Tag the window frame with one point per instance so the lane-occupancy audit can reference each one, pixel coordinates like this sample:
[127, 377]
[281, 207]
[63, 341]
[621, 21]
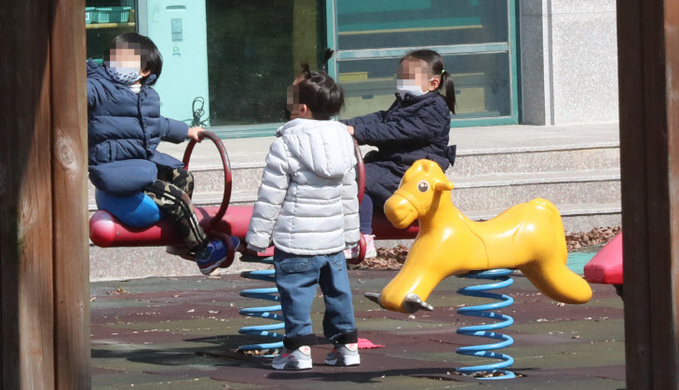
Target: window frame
[509, 47]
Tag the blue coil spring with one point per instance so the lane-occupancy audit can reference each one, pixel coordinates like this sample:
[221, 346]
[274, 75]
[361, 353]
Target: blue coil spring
[270, 312]
[487, 330]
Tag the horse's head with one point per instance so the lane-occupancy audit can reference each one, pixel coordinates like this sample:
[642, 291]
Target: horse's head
[422, 183]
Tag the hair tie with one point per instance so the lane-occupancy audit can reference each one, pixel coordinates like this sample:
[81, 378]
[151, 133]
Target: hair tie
[443, 71]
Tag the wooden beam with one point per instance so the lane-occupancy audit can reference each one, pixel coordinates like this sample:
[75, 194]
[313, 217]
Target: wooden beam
[44, 318]
[672, 44]
[649, 132]
[69, 170]
[26, 207]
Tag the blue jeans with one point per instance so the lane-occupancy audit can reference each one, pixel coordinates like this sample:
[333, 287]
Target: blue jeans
[296, 278]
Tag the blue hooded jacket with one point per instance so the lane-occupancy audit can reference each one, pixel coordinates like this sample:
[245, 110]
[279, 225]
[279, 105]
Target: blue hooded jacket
[413, 128]
[124, 130]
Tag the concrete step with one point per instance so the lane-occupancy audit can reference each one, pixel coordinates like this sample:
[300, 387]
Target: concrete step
[483, 162]
[471, 163]
[499, 190]
[586, 198]
[601, 185]
[211, 179]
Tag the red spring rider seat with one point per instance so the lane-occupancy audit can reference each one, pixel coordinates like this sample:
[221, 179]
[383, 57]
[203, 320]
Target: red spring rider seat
[136, 220]
[606, 266]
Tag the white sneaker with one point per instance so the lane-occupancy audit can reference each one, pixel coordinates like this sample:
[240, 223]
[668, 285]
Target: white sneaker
[370, 251]
[297, 359]
[343, 355]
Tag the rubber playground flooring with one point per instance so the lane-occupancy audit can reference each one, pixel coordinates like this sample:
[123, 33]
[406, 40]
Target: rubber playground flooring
[182, 333]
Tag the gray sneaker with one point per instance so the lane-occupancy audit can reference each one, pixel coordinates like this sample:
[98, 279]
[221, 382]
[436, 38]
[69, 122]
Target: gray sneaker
[297, 359]
[343, 355]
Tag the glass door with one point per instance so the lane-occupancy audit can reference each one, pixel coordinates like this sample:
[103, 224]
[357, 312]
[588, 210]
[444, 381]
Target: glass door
[477, 39]
[104, 20]
[255, 52]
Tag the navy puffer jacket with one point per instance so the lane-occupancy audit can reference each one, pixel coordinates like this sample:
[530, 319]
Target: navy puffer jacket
[412, 129]
[124, 130]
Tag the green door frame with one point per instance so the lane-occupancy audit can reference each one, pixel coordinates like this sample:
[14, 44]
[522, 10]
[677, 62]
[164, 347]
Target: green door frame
[503, 47]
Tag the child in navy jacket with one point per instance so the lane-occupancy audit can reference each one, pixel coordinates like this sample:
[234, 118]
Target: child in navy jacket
[124, 130]
[415, 127]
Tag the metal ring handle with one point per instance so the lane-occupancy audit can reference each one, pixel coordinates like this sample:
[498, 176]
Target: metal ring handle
[225, 164]
[360, 172]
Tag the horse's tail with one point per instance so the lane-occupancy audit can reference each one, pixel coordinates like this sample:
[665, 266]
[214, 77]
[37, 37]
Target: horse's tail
[551, 275]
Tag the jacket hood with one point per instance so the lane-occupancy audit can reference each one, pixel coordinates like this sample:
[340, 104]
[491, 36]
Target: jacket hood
[324, 147]
[95, 69]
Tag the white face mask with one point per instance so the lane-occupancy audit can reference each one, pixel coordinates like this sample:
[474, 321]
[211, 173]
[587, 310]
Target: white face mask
[122, 74]
[408, 87]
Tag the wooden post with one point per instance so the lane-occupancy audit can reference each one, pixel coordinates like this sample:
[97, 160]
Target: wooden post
[44, 319]
[69, 170]
[26, 217]
[648, 49]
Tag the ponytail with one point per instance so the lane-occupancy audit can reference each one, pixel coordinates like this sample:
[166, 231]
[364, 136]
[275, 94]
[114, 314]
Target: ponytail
[306, 70]
[437, 68]
[327, 55]
[448, 87]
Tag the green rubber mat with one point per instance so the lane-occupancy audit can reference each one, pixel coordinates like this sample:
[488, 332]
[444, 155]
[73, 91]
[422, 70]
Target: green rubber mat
[577, 260]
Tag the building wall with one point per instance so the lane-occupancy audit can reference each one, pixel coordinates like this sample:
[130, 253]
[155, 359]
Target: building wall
[569, 70]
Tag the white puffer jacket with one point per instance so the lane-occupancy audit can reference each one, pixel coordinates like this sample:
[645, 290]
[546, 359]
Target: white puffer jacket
[307, 203]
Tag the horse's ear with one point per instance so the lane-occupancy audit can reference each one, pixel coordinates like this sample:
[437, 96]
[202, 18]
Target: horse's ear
[443, 186]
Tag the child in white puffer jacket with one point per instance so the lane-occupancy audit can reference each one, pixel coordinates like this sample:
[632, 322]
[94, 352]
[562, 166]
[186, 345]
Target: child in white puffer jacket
[307, 205]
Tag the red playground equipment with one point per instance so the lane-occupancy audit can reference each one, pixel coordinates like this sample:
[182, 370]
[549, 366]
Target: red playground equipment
[606, 266]
[108, 231]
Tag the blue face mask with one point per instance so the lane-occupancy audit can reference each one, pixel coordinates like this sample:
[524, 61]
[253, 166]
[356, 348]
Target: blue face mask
[123, 75]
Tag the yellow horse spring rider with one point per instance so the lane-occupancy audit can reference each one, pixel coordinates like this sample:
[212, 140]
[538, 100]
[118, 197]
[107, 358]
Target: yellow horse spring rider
[528, 237]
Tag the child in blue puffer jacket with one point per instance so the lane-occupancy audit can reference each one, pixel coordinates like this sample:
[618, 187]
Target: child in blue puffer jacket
[415, 127]
[124, 130]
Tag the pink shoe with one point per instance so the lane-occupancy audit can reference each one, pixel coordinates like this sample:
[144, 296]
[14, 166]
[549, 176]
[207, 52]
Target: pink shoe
[370, 251]
[351, 253]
